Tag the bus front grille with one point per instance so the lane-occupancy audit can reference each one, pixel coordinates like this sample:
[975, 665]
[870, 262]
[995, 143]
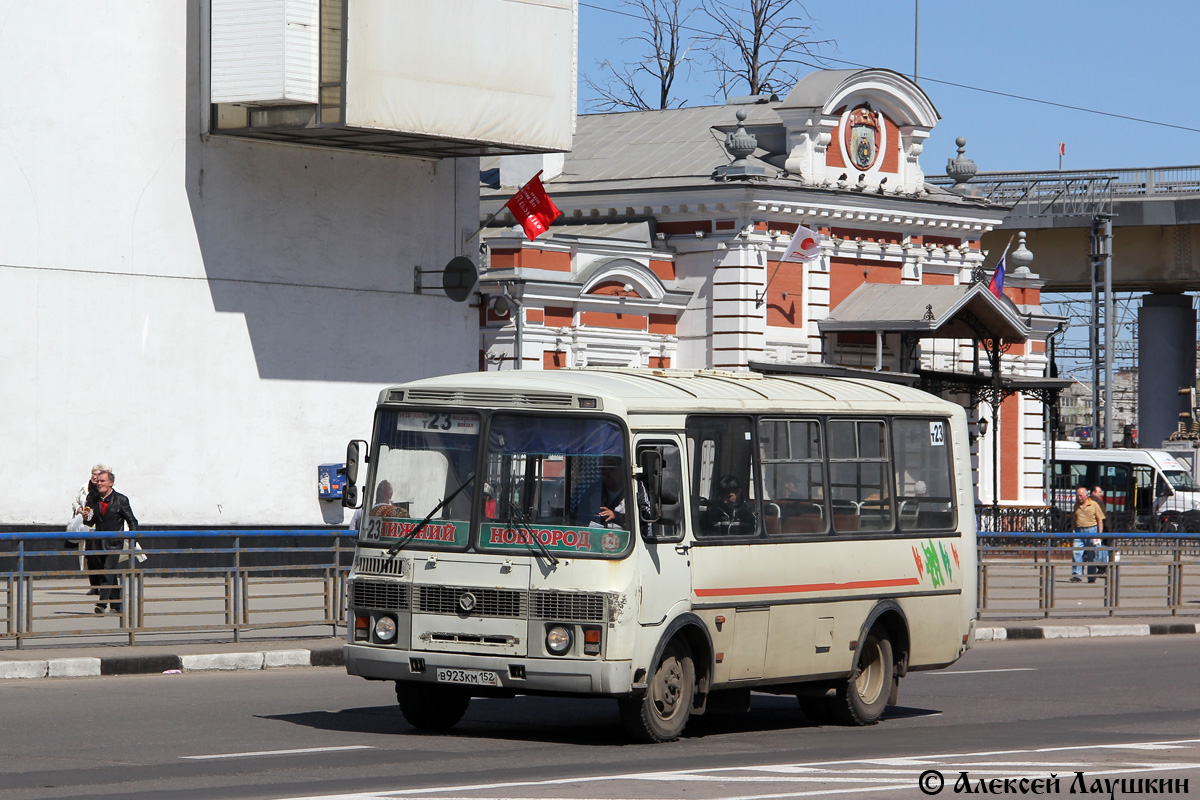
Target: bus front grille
[385, 595]
[376, 565]
[508, 603]
[569, 606]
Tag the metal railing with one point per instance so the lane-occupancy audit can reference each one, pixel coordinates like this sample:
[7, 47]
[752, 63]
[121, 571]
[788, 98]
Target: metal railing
[1044, 519]
[231, 582]
[1128, 574]
[1123, 183]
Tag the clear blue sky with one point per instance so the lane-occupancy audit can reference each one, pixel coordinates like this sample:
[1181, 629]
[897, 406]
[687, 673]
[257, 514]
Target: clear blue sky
[1136, 59]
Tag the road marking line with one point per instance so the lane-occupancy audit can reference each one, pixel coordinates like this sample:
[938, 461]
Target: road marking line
[282, 752]
[890, 780]
[983, 671]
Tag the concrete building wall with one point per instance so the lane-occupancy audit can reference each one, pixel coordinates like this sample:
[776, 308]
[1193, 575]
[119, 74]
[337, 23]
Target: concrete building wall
[211, 317]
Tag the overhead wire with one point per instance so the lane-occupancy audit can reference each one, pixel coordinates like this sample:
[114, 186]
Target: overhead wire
[997, 92]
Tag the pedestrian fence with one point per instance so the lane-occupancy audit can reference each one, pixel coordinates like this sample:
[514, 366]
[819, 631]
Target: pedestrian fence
[240, 583]
[224, 582]
[1127, 574]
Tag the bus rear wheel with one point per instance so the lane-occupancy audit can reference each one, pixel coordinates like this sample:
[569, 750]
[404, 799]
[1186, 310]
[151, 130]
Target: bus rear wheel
[430, 707]
[862, 699]
[661, 714]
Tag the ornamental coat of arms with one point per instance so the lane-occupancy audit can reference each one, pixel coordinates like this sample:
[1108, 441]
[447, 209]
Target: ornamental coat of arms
[862, 136]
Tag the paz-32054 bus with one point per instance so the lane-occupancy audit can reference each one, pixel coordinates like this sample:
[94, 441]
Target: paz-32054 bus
[669, 539]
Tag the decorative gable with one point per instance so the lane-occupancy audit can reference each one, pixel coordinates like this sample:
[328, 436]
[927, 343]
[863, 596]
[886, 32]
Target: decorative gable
[851, 128]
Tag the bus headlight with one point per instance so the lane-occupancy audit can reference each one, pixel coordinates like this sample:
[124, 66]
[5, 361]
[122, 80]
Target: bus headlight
[558, 640]
[385, 629]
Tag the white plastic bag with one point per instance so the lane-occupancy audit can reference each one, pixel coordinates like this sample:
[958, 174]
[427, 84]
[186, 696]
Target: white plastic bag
[76, 526]
[137, 549]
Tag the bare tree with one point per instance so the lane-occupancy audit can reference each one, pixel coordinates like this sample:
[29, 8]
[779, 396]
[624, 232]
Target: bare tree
[662, 50]
[769, 39]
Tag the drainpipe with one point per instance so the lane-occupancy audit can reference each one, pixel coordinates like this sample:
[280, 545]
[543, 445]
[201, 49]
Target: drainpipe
[519, 345]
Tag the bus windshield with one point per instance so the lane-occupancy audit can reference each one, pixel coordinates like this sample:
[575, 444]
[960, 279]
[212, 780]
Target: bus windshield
[426, 462]
[1181, 481]
[561, 479]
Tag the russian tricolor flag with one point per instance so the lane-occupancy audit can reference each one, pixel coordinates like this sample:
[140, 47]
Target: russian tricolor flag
[997, 285]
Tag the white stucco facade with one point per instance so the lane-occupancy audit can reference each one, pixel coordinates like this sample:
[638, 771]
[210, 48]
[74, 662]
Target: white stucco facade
[212, 317]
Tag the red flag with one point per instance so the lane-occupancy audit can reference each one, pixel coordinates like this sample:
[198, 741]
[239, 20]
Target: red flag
[533, 208]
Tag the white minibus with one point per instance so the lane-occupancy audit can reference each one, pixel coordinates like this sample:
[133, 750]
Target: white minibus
[1144, 490]
[669, 539]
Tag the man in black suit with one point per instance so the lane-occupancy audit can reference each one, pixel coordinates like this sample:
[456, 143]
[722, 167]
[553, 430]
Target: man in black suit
[110, 513]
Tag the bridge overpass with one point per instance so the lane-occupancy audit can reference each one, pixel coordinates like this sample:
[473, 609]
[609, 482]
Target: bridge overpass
[1106, 231]
[1154, 213]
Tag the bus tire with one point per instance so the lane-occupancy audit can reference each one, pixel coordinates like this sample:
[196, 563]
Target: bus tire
[862, 699]
[661, 714]
[430, 707]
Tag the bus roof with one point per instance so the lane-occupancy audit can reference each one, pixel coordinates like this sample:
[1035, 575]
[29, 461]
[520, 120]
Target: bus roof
[1130, 455]
[664, 391]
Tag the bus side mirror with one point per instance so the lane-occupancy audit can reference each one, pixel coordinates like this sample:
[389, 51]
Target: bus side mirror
[353, 457]
[651, 463]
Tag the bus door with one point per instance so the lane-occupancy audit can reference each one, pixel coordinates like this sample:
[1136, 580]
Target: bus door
[1143, 492]
[664, 574]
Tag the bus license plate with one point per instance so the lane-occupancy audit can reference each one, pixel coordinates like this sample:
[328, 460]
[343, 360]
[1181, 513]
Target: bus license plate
[470, 677]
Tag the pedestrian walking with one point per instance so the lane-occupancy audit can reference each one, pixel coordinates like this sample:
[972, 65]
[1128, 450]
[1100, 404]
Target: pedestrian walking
[76, 525]
[1086, 518]
[1100, 554]
[111, 513]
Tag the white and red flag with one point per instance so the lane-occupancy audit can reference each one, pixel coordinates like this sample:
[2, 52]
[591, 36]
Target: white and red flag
[533, 208]
[804, 246]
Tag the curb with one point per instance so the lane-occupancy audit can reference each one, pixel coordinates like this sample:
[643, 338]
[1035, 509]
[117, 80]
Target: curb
[1083, 631]
[159, 664]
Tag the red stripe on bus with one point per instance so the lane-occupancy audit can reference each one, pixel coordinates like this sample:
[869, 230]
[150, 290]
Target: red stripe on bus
[807, 587]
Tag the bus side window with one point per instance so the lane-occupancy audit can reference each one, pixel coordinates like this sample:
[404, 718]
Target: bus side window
[722, 448]
[793, 476]
[669, 526]
[1163, 489]
[860, 477]
[924, 489]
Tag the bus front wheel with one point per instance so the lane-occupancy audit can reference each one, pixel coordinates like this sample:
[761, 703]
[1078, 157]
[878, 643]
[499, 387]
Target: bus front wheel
[862, 699]
[430, 707]
[661, 714]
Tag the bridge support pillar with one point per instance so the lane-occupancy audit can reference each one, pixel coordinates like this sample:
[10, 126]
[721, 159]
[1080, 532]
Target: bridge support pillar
[1166, 364]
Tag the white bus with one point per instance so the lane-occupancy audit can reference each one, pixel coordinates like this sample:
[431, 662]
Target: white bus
[791, 535]
[1144, 490]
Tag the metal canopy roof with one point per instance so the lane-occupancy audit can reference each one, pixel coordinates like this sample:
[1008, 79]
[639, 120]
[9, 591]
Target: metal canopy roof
[377, 141]
[949, 312]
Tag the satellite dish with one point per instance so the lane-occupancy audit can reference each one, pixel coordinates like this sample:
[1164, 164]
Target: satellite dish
[459, 278]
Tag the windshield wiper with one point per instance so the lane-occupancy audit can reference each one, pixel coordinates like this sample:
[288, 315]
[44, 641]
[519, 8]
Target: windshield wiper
[523, 521]
[420, 526]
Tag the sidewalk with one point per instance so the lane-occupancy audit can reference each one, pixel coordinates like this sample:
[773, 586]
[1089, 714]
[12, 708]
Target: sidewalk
[81, 643]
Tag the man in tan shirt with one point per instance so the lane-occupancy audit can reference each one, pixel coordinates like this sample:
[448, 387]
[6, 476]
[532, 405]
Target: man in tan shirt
[1088, 520]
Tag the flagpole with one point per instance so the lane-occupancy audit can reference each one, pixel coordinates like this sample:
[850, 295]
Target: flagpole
[1002, 255]
[499, 211]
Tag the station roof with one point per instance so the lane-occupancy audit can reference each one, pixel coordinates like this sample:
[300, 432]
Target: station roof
[965, 311]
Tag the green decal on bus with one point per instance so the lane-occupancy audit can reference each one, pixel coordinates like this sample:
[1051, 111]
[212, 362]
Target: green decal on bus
[558, 538]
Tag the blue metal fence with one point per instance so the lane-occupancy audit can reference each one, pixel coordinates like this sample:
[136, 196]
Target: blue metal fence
[221, 581]
[1127, 574]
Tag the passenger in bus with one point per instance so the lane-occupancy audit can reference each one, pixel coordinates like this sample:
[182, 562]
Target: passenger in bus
[382, 507]
[1087, 518]
[1100, 555]
[602, 502]
[728, 512]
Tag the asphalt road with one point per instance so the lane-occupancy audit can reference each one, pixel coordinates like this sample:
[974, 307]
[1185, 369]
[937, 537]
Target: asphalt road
[1122, 708]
